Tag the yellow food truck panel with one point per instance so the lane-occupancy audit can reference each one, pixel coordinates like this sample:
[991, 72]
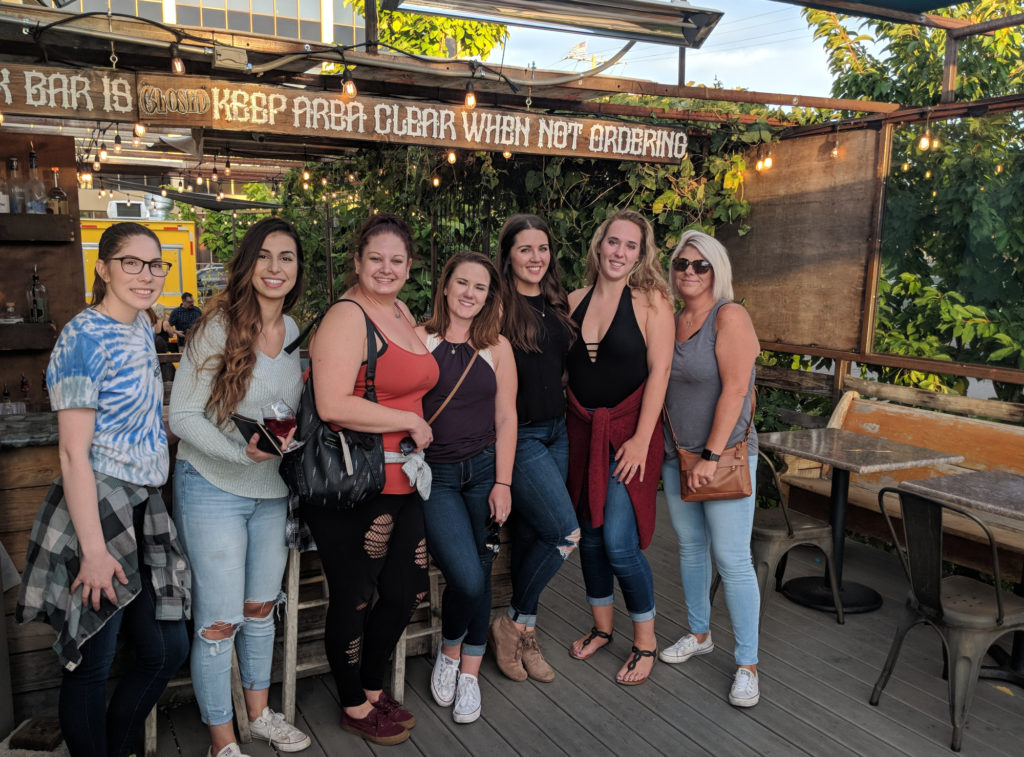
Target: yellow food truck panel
[177, 241]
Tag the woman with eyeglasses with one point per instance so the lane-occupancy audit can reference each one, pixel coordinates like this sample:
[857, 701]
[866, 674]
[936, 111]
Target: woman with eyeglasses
[709, 408]
[104, 562]
[473, 412]
[618, 371]
[544, 528]
[379, 546]
[230, 503]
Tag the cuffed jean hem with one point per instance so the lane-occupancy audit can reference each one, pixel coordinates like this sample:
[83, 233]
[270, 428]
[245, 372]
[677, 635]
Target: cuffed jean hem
[453, 642]
[473, 650]
[601, 601]
[530, 621]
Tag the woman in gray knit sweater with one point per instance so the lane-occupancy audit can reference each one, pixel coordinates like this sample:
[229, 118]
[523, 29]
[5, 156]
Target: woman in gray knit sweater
[230, 504]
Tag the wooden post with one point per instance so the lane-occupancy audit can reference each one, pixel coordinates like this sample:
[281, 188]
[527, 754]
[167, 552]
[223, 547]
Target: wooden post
[949, 70]
[842, 368]
[682, 66]
[329, 244]
[370, 19]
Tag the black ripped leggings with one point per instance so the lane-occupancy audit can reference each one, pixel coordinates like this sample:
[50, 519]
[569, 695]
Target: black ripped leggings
[377, 546]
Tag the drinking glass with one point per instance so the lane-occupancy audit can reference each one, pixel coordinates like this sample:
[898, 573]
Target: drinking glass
[279, 418]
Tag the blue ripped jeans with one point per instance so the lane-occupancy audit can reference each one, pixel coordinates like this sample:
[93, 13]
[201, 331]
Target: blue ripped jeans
[455, 516]
[237, 551]
[543, 517]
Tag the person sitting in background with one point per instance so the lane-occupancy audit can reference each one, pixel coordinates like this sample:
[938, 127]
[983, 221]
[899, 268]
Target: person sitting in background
[184, 317]
[473, 417]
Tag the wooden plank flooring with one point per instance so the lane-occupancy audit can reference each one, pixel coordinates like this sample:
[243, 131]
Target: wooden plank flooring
[816, 677]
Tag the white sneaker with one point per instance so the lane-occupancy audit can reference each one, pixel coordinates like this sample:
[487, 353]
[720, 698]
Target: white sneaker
[231, 750]
[282, 735]
[444, 679]
[685, 648]
[467, 699]
[745, 692]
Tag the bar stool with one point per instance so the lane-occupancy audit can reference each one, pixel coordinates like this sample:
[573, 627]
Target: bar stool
[292, 606]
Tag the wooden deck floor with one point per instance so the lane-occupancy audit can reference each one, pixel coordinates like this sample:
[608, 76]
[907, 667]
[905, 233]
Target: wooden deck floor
[816, 677]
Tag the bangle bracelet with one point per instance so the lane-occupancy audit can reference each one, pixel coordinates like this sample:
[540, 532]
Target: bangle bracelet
[502, 483]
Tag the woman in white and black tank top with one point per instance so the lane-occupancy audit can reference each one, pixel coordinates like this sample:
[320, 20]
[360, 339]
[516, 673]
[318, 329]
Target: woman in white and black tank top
[473, 419]
[709, 406]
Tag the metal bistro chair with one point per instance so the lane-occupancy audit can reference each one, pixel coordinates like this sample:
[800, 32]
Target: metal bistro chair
[969, 615]
[778, 530]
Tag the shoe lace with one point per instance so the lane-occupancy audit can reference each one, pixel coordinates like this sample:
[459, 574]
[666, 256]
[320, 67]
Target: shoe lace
[530, 643]
[467, 694]
[517, 655]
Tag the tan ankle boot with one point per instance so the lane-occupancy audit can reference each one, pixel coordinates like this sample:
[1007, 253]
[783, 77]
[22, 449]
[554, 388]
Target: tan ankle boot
[536, 666]
[507, 644]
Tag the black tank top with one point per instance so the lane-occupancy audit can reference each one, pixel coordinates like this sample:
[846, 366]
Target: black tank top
[620, 366]
[540, 396]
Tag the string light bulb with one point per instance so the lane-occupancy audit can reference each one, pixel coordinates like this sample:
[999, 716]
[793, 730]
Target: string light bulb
[305, 185]
[220, 196]
[936, 143]
[214, 176]
[507, 154]
[199, 180]
[163, 191]
[117, 143]
[927, 174]
[177, 64]
[227, 163]
[96, 164]
[768, 162]
[470, 96]
[305, 174]
[905, 167]
[759, 165]
[323, 180]
[1, 118]
[140, 129]
[103, 154]
[925, 142]
[835, 147]
[999, 168]
[436, 181]
[348, 87]
[452, 157]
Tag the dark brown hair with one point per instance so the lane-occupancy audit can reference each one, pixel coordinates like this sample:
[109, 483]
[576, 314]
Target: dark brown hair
[485, 329]
[111, 242]
[239, 308]
[520, 322]
[378, 223]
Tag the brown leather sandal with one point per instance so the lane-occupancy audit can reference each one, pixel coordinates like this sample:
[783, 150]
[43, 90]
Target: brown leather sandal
[631, 666]
[594, 634]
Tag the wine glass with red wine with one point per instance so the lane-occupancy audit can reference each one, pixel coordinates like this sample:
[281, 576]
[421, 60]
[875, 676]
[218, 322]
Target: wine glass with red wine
[279, 418]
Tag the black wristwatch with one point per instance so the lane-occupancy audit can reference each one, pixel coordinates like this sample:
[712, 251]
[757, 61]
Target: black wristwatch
[707, 454]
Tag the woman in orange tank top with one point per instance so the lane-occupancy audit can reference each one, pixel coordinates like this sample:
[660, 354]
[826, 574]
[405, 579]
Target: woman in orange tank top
[378, 546]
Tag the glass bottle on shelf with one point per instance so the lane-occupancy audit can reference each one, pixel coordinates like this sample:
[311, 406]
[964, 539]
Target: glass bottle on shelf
[35, 190]
[5, 195]
[15, 186]
[5, 403]
[38, 302]
[56, 198]
[46, 393]
[24, 388]
[8, 315]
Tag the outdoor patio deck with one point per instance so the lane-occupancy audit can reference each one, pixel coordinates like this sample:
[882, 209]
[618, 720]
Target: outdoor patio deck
[816, 677]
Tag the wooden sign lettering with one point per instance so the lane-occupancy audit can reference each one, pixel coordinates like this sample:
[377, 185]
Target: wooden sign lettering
[200, 102]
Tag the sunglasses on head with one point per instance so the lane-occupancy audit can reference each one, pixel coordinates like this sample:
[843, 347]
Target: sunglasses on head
[700, 267]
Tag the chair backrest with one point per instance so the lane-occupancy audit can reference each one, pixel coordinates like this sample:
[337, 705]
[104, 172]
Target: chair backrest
[920, 549]
[783, 504]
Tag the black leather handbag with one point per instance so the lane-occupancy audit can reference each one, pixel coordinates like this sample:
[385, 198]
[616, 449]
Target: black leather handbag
[334, 468]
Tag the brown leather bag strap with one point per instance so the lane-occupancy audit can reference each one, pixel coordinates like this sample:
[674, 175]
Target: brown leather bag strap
[750, 425]
[454, 388]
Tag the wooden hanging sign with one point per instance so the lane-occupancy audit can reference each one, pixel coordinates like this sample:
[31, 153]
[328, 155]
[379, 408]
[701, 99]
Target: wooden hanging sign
[200, 102]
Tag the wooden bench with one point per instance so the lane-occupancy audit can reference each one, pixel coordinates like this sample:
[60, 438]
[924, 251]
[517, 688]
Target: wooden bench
[985, 445]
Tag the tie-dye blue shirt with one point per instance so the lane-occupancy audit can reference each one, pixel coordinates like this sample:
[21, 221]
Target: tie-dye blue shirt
[111, 367]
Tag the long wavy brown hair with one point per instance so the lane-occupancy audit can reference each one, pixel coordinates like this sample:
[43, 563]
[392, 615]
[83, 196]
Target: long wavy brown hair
[239, 308]
[520, 322]
[484, 330]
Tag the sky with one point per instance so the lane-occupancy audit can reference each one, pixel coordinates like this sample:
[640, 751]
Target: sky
[757, 45]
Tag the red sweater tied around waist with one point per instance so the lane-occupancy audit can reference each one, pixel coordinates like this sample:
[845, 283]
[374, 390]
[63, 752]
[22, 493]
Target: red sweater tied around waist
[592, 435]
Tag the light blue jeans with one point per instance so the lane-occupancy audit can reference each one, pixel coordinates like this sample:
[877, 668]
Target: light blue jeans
[722, 526]
[237, 551]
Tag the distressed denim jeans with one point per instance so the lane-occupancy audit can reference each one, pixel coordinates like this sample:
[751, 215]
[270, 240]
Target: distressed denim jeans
[237, 551]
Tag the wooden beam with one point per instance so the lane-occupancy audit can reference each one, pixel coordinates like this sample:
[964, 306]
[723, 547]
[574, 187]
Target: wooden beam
[883, 14]
[1010, 412]
[983, 27]
[949, 70]
[805, 382]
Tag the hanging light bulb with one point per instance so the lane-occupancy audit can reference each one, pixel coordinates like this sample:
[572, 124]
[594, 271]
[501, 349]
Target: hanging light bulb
[470, 96]
[305, 174]
[96, 165]
[927, 174]
[305, 185]
[925, 142]
[905, 167]
[136, 141]
[214, 176]
[103, 155]
[759, 165]
[768, 161]
[140, 129]
[935, 143]
[103, 193]
[507, 154]
[177, 64]
[323, 181]
[117, 143]
[227, 163]
[199, 180]
[835, 146]
[348, 87]
[220, 196]
[452, 157]
[86, 178]
[999, 168]
[1, 118]
[436, 181]
[163, 191]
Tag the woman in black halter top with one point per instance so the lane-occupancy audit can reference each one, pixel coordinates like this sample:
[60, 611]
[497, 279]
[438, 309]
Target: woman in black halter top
[618, 373]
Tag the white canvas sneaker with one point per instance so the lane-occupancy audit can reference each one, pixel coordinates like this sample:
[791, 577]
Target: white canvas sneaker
[745, 692]
[231, 750]
[685, 648]
[282, 735]
[467, 699]
[444, 679]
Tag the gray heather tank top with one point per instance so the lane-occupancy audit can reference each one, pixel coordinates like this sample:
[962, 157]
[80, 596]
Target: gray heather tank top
[693, 391]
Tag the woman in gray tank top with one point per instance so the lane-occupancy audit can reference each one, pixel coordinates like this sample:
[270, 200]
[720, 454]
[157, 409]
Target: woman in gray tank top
[709, 406]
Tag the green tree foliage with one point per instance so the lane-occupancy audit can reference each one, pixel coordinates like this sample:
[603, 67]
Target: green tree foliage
[428, 35]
